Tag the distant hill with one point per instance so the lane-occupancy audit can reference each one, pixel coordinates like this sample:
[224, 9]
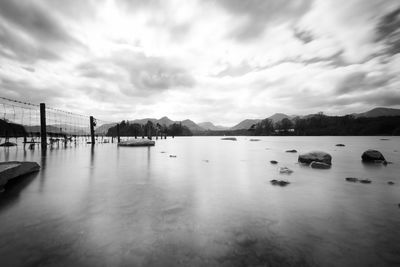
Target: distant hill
[103, 129]
[278, 117]
[246, 124]
[378, 112]
[211, 127]
[192, 126]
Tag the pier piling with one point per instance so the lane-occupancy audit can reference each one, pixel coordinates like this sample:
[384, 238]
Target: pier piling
[43, 134]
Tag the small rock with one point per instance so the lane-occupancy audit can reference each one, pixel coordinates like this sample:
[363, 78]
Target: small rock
[279, 182]
[340, 145]
[229, 138]
[365, 181]
[291, 151]
[254, 140]
[206, 160]
[373, 156]
[285, 170]
[274, 162]
[390, 183]
[319, 165]
[351, 179]
[162, 152]
[172, 156]
[385, 139]
[317, 156]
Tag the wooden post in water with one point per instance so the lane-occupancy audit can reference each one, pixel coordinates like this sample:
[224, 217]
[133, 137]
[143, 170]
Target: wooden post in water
[118, 137]
[43, 134]
[92, 130]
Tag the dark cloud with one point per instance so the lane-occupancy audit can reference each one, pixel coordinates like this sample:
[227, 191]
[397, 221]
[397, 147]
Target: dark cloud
[30, 31]
[147, 74]
[388, 31]
[303, 36]
[24, 91]
[258, 14]
[361, 81]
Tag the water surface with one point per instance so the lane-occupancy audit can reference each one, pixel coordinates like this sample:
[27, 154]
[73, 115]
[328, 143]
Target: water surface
[211, 205]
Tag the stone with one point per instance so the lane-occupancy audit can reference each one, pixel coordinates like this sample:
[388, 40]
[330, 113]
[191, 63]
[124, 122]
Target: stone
[291, 151]
[319, 165]
[12, 169]
[229, 138]
[340, 145]
[254, 140]
[137, 142]
[317, 156]
[279, 182]
[351, 179]
[390, 183]
[373, 156]
[365, 181]
[172, 156]
[285, 170]
[273, 162]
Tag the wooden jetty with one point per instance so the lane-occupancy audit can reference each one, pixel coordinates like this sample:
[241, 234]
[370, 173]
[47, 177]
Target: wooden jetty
[12, 169]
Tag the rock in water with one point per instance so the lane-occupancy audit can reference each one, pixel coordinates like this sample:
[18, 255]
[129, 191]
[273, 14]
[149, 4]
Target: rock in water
[137, 142]
[229, 138]
[274, 162]
[254, 140]
[285, 170]
[390, 183]
[373, 156]
[351, 179]
[13, 169]
[319, 165]
[279, 182]
[291, 151]
[317, 156]
[340, 145]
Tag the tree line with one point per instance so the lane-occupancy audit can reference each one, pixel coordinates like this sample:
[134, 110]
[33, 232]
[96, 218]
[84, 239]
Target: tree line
[150, 128]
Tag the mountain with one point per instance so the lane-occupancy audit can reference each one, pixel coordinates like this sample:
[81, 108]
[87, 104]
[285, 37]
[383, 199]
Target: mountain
[378, 112]
[192, 126]
[165, 121]
[211, 127]
[278, 117]
[246, 124]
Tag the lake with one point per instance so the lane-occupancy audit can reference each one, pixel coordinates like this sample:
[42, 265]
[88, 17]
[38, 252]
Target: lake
[211, 205]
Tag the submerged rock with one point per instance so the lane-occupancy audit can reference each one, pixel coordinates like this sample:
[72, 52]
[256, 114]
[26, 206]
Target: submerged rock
[254, 140]
[12, 169]
[351, 179]
[317, 156]
[319, 165]
[365, 181]
[390, 183]
[273, 162]
[285, 170]
[172, 156]
[373, 156]
[340, 145]
[279, 182]
[229, 138]
[291, 151]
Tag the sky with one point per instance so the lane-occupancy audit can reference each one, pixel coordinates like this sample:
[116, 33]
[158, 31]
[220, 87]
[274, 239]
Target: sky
[212, 60]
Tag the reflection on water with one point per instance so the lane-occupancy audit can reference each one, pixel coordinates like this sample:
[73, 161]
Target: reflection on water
[212, 205]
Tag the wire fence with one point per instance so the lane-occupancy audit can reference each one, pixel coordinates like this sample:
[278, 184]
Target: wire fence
[20, 119]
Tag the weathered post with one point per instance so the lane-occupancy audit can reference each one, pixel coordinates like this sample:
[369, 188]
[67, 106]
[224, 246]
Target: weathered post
[118, 137]
[43, 134]
[92, 130]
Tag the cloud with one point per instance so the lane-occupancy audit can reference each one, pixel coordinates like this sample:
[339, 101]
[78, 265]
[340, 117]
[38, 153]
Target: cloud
[256, 15]
[388, 31]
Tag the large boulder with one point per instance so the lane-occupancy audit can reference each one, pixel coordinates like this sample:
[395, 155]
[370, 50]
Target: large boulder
[317, 156]
[372, 156]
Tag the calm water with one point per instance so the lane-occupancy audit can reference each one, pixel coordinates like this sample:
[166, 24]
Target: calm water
[212, 205]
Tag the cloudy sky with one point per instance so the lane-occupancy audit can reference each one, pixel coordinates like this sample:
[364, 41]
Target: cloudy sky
[211, 60]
